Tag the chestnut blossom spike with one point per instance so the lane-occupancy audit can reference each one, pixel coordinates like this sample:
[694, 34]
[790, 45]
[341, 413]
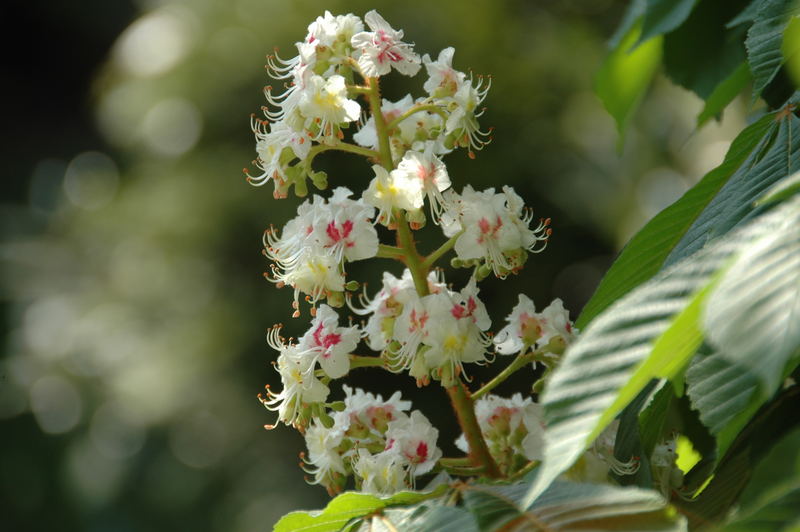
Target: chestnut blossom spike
[327, 343]
[382, 49]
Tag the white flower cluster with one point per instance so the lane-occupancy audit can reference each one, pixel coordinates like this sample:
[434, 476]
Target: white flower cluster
[416, 322]
[513, 429]
[320, 103]
[432, 335]
[376, 440]
[312, 247]
[549, 330]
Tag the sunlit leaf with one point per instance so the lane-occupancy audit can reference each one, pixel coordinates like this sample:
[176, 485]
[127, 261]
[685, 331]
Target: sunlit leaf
[625, 75]
[753, 317]
[629, 340]
[348, 506]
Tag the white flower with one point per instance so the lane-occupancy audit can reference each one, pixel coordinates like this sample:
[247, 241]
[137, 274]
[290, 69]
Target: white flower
[428, 173]
[323, 460]
[382, 49]
[367, 415]
[452, 336]
[667, 476]
[385, 307]
[325, 103]
[513, 424]
[462, 124]
[527, 328]
[315, 273]
[414, 438]
[392, 191]
[554, 320]
[410, 330]
[443, 79]
[603, 448]
[523, 328]
[493, 228]
[271, 142]
[380, 474]
[300, 385]
[367, 136]
[345, 229]
[327, 343]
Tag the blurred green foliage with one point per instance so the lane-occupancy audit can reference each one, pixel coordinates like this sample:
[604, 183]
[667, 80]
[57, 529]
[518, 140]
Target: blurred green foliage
[136, 314]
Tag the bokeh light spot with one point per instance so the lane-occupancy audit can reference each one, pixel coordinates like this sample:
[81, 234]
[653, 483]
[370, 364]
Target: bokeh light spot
[91, 180]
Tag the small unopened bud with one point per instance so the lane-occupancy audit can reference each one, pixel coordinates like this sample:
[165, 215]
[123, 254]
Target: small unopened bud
[352, 286]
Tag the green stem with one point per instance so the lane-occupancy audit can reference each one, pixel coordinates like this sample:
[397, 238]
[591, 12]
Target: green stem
[525, 470]
[417, 109]
[465, 411]
[360, 361]
[455, 462]
[340, 146]
[441, 250]
[390, 252]
[385, 149]
[522, 359]
[412, 259]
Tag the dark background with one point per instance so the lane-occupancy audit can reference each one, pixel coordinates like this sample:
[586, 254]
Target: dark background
[133, 305]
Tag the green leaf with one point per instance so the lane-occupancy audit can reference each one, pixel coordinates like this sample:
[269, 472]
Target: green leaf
[772, 497]
[570, 506]
[663, 16]
[724, 394]
[633, 13]
[764, 40]
[753, 316]
[670, 353]
[724, 93]
[650, 332]
[747, 15]
[735, 469]
[625, 75]
[781, 191]
[645, 254]
[349, 506]
[428, 518]
[776, 157]
[702, 52]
